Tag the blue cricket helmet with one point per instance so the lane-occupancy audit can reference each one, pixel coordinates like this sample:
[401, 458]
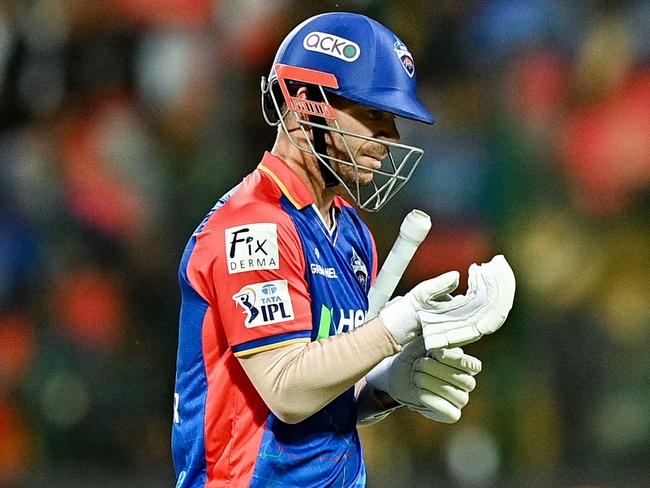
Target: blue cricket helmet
[359, 59]
[372, 65]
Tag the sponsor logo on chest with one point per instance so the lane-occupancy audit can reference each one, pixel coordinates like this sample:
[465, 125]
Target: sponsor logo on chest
[265, 303]
[317, 269]
[252, 247]
[350, 319]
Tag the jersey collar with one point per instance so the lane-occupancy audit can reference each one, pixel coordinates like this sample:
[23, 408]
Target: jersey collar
[291, 185]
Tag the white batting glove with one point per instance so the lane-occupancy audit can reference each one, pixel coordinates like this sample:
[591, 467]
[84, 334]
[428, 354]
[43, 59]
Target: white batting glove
[467, 318]
[437, 387]
[448, 321]
[401, 315]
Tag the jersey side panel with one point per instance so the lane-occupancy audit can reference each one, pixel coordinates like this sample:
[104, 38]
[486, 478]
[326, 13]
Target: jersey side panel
[188, 443]
[191, 388]
[234, 413]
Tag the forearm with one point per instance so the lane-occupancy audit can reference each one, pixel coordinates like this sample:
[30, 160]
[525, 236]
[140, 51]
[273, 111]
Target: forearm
[298, 380]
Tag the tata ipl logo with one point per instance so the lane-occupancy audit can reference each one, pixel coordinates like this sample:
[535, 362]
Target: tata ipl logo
[265, 303]
[332, 45]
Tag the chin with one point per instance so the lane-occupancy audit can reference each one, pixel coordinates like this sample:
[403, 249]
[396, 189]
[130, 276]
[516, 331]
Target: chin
[365, 180]
[365, 177]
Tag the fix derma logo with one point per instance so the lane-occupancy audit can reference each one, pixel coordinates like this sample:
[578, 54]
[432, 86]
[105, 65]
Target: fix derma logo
[252, 247]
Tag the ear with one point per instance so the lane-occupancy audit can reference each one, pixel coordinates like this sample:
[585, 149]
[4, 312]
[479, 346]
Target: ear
[293, 120]
[303, 94]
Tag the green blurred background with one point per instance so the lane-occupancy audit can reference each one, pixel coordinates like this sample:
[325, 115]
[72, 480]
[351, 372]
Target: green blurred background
[123, 121]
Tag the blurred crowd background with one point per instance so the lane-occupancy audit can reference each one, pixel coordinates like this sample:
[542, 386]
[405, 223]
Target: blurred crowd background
[123, 121]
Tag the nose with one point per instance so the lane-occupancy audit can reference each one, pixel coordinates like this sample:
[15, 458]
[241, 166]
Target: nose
[388, 130]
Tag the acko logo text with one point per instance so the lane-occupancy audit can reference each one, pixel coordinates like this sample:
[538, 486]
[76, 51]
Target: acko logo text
[332, 45]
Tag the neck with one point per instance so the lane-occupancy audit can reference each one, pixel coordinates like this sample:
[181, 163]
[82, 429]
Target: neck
[306, 166]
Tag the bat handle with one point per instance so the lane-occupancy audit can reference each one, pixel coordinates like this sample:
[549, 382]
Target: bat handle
[414, 229]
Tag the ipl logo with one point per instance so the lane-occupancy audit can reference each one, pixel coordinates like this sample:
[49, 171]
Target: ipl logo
[246, 298]
[265, 303]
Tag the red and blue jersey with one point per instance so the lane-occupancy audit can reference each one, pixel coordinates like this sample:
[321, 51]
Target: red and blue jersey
[262, 271]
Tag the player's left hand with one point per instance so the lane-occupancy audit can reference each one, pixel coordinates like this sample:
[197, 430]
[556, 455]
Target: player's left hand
[466, 318]
[437, 386]
[450, 321]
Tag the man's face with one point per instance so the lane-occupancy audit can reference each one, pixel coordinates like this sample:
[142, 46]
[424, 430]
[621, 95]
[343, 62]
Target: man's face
[362, 120]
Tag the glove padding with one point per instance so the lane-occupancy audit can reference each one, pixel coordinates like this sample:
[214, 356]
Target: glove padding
[400, 315]
[437, 387]
[466, 318]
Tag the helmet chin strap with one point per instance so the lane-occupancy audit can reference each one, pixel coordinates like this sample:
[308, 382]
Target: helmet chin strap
[321, 147]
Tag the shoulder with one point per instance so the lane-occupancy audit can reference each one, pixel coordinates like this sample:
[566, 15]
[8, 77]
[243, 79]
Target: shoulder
[248, 230]
[256, 200]
[251, 224]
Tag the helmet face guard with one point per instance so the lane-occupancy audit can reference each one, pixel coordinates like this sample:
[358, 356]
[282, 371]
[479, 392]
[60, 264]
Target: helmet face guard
[356, 58]
[397, 167]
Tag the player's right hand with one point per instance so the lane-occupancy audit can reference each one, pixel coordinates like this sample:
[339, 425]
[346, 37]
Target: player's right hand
[436, 386]
[401, 315]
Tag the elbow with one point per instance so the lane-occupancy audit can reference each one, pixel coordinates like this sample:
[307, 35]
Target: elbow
[292, 419]
[289, 415]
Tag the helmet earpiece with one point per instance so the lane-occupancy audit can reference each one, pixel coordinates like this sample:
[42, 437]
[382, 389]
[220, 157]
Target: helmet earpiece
[269, 111]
